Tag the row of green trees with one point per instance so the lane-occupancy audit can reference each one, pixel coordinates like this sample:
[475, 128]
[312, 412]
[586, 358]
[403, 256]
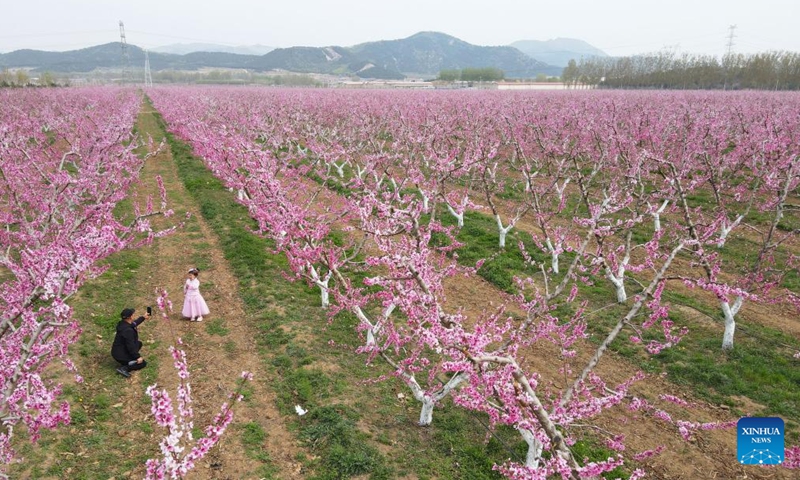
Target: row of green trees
[668, 70]
[21, 78]
[486, 74]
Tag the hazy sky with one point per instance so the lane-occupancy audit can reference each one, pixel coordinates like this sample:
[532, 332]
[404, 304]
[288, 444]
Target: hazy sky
[619, 27]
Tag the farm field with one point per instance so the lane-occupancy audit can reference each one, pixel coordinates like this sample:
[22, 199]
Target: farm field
[358, 198]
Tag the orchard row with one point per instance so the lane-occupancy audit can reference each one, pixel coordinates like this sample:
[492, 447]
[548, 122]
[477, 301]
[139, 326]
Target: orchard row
[67, 161]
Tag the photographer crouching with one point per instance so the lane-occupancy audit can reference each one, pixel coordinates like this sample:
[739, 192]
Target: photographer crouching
[125, 349]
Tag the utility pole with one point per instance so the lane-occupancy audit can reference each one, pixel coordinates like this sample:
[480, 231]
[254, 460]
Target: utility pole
[148, 78]
[124, 51]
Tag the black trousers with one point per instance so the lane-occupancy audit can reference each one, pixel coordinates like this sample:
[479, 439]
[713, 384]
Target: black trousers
[135, 366]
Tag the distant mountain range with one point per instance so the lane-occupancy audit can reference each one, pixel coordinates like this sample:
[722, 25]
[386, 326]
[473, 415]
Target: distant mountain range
[422, 54]
[109, 56]
[184, 48]
[558, 51]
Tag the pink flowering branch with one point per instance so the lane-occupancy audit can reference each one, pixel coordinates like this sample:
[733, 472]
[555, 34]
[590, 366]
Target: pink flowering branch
[791, 458]
[179, 450]
[685, 428]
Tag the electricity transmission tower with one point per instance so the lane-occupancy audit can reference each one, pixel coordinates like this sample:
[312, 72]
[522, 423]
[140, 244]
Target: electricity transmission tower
[148, 78]
[731, 36]
[727, 60]
[124, 51]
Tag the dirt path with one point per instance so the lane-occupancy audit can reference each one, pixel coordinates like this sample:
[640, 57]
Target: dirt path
[219, 348]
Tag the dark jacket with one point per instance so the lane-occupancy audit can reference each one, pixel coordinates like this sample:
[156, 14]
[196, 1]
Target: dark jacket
[126, 342]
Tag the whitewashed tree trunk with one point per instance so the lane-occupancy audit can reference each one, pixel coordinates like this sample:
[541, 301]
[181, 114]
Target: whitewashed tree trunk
[375, 329]
[339, 168]
[619, 286]
[534, 448]
[725, 229]
[657, 215]
[503, 230]
[459, 216]
[425, 201]
[553, 255]
[560, 189]
[322, 283]
[730, 311]
[426, 414]
[241, 195]
[323, 291]
[430, 401]
[378, 180]
[618, 279]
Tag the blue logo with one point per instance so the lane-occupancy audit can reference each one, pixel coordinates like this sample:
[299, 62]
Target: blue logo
[759, 441]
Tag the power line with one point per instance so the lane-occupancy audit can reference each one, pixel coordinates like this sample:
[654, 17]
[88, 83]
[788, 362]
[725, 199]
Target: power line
[648, 44]
[177, 37]
[55, 34]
